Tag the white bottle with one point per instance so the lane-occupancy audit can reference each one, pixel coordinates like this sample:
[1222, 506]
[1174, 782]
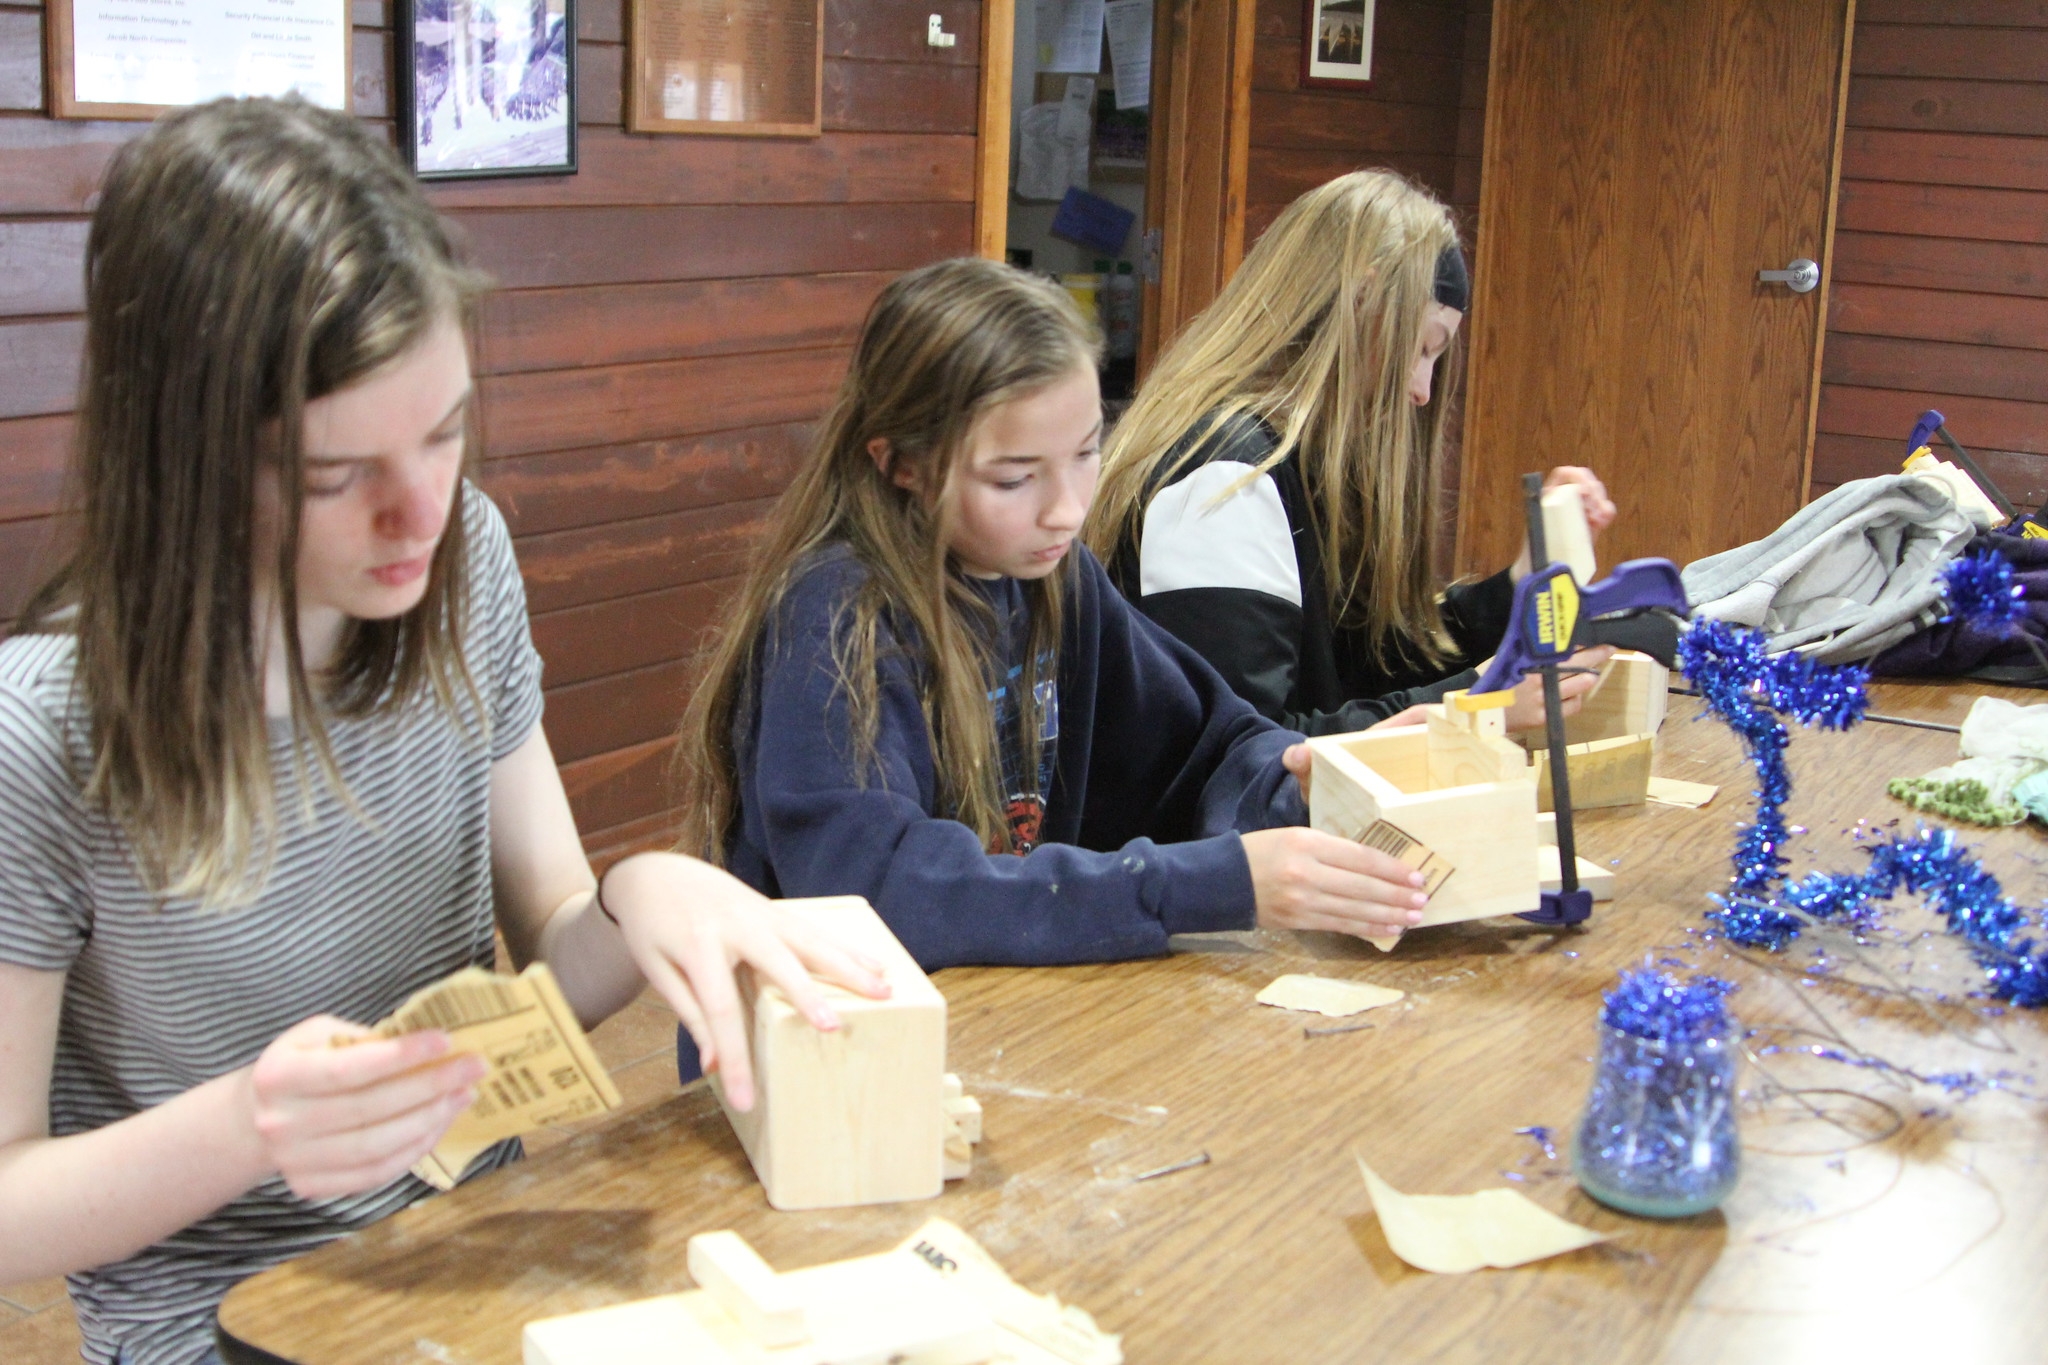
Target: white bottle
[1122, 320]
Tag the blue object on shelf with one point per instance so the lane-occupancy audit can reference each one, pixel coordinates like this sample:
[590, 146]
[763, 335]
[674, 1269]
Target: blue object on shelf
[1093, 221]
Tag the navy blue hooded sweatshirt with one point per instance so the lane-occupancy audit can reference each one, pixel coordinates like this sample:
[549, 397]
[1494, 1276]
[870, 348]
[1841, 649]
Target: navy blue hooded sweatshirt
[1156, 769]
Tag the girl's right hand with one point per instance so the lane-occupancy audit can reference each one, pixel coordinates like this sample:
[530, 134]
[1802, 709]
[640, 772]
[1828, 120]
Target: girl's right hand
[340, 1120]
[1305, 879]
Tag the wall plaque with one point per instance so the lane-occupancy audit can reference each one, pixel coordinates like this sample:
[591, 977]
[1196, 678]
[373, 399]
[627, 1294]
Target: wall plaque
[747, 67]
[134, 59]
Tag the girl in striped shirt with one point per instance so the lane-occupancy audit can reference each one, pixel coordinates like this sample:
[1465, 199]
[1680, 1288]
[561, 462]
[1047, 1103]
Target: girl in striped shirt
[270, 752]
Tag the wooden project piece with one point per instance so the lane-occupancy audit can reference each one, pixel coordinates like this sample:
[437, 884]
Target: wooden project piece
[1456, 786]
[1631, 700]
[1594, 877]
[870, 1310]
[1565, 535]
[729, 1270]
[853, 1116]
[1604, 772]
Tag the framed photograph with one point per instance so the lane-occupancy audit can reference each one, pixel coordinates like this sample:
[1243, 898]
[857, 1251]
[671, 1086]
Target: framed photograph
[135, 59]
[1336, 43]
[486, 87]
[749, 68]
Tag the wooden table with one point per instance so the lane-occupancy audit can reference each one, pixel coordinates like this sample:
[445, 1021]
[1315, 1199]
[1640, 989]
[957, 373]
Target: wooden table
[1840, 1244]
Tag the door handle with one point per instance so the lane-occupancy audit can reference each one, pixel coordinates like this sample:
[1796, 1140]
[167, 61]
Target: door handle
[1801, 276]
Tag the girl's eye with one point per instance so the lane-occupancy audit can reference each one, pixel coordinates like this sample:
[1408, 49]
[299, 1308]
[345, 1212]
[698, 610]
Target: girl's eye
[326, 483]
[1011, 485]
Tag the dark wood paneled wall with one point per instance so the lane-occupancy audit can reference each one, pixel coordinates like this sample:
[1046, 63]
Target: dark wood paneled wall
[1940, 290]
[670, 321]
[1423, 114]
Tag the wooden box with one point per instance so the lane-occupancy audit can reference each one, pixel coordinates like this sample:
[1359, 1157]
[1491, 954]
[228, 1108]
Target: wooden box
[1631, 700]
[1457, 786]
[855, 1116]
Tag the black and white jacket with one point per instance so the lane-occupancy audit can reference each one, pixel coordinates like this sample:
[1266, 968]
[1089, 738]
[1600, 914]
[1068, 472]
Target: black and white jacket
[1238, 575]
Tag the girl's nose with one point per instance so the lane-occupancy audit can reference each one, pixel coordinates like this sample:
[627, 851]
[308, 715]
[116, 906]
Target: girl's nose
[416, 508]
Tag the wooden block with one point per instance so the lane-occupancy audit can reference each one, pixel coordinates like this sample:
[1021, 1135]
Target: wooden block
[1592, 876]
[852, 1116]
[950, 1087]
[1546, 828]
[1467, 747]
[1633, 695]
[1485, 830]
[724, 1266]
[966, 1112]
[1606, 772]
[1565, 535]
[959, 1158]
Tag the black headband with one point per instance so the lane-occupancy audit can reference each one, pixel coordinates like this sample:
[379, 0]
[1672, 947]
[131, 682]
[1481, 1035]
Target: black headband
[1453, 283]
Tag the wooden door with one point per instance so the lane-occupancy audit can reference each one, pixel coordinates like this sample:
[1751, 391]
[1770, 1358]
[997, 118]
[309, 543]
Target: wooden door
[1199, 155]
[1643, 160]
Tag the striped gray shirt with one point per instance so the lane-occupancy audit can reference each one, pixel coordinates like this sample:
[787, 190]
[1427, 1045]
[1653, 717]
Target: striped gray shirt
[356, 916]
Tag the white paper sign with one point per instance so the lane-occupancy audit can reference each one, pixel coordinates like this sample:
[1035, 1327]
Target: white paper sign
[185, 51]
[1048, 164]
[1077, 109]
[1130, 51]
[1070, 35]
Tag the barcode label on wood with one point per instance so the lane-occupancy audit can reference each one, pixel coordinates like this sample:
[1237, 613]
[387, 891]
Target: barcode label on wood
[1403, 847]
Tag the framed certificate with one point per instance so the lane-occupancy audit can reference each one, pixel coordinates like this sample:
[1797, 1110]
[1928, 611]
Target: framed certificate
[747, 67]
[486, 87]
[134, 59]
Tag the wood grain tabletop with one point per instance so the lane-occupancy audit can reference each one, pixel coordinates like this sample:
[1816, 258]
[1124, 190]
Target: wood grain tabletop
[1878, 1217]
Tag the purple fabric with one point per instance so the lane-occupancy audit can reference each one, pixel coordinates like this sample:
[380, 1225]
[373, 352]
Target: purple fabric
[1950, 649]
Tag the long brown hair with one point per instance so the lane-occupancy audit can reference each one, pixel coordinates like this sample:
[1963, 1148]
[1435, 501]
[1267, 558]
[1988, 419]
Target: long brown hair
[246, 257]
[941, 347]
[1316, 334]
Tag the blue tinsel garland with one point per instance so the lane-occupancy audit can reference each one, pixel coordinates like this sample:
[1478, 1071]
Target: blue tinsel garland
[1750, 690]
[1747, 688]
[1980, 589]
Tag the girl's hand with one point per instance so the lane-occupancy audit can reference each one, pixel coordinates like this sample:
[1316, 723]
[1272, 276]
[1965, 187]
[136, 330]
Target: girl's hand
[341, 1120]
[1526, 711]
[1402, 720]
[1592, 492]
[1592, 496]
[690, 925]
[1305, 879]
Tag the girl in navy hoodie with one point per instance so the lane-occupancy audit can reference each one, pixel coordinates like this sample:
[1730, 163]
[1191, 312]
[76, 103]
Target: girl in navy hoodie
[929, 694]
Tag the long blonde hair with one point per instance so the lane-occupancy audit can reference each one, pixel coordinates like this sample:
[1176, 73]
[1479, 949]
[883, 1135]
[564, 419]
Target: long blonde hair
[246, 258]
[1317, 334]
[941, 347]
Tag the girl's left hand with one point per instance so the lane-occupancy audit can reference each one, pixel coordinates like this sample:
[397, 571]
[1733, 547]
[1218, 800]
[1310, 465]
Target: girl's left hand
[689, 925]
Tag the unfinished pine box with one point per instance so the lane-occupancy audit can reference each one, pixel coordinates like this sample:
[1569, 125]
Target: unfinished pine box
[1457, 786]
[857, 1115]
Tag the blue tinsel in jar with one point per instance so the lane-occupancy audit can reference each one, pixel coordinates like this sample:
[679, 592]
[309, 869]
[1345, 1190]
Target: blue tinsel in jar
[1658, 1137]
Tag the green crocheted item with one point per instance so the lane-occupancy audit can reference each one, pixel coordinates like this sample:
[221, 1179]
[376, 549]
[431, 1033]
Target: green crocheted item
[1963, 799]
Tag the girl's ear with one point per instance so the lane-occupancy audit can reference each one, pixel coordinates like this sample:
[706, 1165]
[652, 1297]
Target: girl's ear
[899, 472]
